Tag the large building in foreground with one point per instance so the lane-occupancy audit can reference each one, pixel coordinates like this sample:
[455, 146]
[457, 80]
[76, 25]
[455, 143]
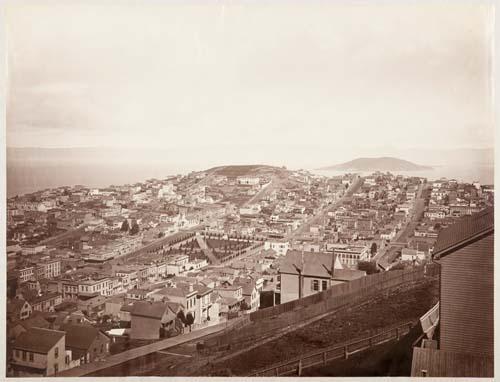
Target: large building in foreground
[464, 347]
[304, 273]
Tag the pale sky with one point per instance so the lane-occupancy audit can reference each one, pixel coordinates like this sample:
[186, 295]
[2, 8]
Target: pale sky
[283, 74]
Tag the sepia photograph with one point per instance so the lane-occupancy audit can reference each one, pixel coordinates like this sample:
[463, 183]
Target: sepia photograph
[243, 188]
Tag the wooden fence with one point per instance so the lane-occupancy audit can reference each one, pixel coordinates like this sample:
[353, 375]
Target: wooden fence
[271, 320]
[351, 291]
[321, 357]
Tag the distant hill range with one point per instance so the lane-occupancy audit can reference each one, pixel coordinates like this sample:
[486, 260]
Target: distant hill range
[377, 164]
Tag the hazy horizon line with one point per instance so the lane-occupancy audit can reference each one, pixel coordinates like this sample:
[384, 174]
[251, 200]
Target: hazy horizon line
[233, 145]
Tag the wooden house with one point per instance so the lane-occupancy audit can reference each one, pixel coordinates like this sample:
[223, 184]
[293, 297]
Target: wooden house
[465, 253]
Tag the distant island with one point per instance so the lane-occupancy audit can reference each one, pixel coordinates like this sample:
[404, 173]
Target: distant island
[377, 164]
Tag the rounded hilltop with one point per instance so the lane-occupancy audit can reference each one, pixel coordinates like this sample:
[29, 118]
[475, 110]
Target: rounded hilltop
[245, 170]
[374, 164]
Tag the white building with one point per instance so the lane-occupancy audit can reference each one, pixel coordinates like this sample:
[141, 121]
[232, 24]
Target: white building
[408, 254]
[350, 255]
[248, 180]
[278, 246]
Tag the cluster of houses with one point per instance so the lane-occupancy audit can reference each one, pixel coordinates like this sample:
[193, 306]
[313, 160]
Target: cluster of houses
[150, 307]
[72, 290]
[448, 200]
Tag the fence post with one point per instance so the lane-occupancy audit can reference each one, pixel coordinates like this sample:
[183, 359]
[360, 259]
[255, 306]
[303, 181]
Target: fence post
[397, 334]
[370, 344]
[324, 357]
[299, 369]
[346, 353]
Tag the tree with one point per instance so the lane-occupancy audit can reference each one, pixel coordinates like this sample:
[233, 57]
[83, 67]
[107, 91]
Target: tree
[446, 200]
[437, 227]
[373, 249]
[160, 235]
[135, 229]
[398, 266]
[181, 317]
[369, 267]
[189, 320]
[125, 226]
[244, 305]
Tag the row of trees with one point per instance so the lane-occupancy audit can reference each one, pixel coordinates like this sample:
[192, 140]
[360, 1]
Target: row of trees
[134, 230]
[220, 236]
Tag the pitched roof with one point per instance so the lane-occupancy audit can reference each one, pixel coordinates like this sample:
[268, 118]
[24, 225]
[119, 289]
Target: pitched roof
[175, 307]
[127, 307]
[202, 289]
[465, 231]
[42, 298]
[38, 340]
[80, 336]
[178, 292]
[15, 305]
[35, 322]
[149, 309]
[230, 301]
[316, 264]
[248, 285]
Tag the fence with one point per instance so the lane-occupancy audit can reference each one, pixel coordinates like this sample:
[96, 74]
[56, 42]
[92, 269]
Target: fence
[269, 321]
[351, 291]
[321, 357]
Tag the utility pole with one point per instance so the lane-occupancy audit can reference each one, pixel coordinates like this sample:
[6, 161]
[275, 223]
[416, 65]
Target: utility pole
[299, 271]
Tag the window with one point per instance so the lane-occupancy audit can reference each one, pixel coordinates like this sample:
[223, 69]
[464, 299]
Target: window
[56, 352]
[31, 356]
[315, 285]
[56, 368]
[24, 355]
[17, 353]
[324, 285]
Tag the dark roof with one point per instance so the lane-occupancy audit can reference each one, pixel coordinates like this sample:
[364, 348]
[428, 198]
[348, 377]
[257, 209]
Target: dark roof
[202, 289]
[127, 307]
[15, 305]
[174, 306]
[149, 309]
[38, 340]
[465, 231]
[318, 264]
[45, 297]
[80, 336]
[35, 322]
